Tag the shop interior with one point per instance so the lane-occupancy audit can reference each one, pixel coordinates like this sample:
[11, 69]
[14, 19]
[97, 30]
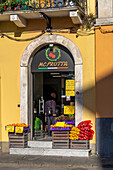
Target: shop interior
[44, 83]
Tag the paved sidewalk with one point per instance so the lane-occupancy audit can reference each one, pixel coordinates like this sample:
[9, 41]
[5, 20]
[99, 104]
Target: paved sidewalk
[50, 161]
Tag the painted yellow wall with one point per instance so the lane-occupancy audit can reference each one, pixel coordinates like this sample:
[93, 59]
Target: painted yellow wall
[91, 6]
[86, 45]
[0, 113]
[10, 78]
[104, 72]
[10, 56]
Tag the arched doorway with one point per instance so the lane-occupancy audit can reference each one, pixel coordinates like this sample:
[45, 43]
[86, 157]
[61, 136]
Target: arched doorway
[26, 75]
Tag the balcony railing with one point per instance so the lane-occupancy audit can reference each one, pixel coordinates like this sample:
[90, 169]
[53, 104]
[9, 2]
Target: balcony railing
[17, 5]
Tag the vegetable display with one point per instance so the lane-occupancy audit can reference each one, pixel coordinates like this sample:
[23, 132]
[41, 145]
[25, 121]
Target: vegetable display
[62, 117]
[86, 133]
[83, 131]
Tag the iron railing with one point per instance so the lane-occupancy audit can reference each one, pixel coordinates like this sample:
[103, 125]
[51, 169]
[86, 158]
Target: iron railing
[39, 4]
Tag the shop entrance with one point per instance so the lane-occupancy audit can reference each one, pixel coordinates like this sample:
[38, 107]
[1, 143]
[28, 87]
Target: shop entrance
[45, 83]
[52, 68]
[71, 61]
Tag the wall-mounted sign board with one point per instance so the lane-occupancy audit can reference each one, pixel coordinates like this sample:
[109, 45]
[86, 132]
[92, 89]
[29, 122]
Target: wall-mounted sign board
[56, 58]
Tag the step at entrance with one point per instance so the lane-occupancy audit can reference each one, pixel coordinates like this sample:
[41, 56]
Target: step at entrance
[44, 148]
[50, 152]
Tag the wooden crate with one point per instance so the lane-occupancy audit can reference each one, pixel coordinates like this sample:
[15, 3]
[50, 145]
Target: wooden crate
[60, 139]
[79, 144]
[17, 140]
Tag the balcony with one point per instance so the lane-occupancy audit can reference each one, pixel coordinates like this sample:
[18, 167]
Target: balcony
[20, 11]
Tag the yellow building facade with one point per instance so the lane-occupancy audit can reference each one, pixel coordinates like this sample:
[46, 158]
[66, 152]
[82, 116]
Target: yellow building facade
[12, 57]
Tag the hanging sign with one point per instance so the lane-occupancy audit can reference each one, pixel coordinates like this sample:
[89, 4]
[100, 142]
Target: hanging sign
[55, 58]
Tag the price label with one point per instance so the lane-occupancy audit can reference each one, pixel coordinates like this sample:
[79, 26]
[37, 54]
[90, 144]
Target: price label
[10, 128]
[18, 129]
[60, 124]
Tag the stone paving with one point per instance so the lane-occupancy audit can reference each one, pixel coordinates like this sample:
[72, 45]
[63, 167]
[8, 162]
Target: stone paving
[51, 162]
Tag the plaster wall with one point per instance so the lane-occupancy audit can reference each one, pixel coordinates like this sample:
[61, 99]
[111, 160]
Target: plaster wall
[10, 57]
[0, 113]
[91, 6]
[104, 73]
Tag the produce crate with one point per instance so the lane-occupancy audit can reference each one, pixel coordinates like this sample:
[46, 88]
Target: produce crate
[79, 144]
[60, 139]
[18, 140]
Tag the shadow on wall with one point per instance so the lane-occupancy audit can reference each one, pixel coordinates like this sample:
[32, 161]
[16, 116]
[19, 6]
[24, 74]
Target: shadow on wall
[104, 110]
[0, 116]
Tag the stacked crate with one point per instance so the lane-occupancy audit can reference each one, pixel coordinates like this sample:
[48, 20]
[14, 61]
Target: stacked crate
[60, 139]
[79, 144]
[18, 140]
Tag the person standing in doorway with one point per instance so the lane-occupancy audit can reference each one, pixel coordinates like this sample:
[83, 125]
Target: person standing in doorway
[50, 109]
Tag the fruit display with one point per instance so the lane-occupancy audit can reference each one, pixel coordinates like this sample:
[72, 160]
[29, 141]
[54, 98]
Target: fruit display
[17, 127]
[64, 127]
[82, 132]
[74, 133]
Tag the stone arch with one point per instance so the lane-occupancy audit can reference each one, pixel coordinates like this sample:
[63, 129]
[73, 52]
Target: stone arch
[24, 69]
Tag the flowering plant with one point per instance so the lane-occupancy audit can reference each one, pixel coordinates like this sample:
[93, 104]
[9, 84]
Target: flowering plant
[10, 4]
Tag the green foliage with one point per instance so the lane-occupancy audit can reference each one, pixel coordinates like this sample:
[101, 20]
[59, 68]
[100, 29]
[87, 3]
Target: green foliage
[9, 4]
[88, 21]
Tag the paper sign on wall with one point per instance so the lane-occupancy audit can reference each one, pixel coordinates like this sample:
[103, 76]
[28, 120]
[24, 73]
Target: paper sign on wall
[70, 84]
[70, 88]
[69, 110]
[70, 93]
